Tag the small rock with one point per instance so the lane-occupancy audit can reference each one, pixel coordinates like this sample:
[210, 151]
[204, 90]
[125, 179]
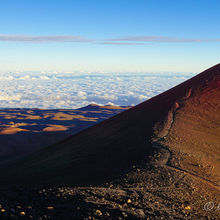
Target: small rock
[188, 207]
[22, 213]
[141, 213]
[50, 208]
[124, 214]
[98, 212]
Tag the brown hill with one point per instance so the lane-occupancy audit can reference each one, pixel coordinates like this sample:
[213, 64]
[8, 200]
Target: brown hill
[169, 142]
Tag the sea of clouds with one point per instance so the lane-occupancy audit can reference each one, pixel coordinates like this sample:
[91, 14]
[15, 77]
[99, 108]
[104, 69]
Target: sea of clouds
[51, 90]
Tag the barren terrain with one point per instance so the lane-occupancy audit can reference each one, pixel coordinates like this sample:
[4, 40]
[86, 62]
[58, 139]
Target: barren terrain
[24, 131]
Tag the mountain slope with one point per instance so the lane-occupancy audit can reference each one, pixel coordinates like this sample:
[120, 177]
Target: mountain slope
[111, 147]
[157, 159]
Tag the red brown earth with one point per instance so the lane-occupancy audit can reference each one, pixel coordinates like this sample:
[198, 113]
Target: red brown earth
[157, 160]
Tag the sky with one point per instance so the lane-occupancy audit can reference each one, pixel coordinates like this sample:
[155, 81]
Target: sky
[109, 35]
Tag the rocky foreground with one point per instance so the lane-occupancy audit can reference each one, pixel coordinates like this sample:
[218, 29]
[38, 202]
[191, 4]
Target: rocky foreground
[152, 190]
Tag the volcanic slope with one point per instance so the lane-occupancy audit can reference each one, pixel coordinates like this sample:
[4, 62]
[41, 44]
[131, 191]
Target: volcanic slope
[163, 155]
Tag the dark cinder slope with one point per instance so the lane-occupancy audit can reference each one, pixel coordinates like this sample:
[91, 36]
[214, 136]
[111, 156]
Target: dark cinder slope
[185, 118]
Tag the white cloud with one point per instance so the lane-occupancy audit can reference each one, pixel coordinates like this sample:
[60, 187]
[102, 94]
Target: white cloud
[129, 40]
[108, 97]
[74, 90]
[44, 78]
[10, 98]
[110, 103]
[142, 97]
[25, 77]
[81, 93]
[158, 39]
[42, 39]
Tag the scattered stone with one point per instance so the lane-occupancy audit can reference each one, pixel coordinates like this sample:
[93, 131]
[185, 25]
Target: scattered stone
[22, 213]
[98, 212]
[188, 207]
[141, 213]
[50, 208]
[124, 214]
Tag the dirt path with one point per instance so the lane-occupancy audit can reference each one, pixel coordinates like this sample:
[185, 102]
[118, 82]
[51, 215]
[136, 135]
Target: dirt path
[167, 154]
[165, 162]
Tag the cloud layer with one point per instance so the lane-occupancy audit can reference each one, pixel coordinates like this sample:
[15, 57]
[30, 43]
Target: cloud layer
[74, 90]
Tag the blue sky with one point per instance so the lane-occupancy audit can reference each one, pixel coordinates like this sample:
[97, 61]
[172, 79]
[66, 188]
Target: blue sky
[109, 35]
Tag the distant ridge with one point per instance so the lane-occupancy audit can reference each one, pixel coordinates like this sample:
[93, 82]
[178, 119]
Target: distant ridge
[95, 106]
